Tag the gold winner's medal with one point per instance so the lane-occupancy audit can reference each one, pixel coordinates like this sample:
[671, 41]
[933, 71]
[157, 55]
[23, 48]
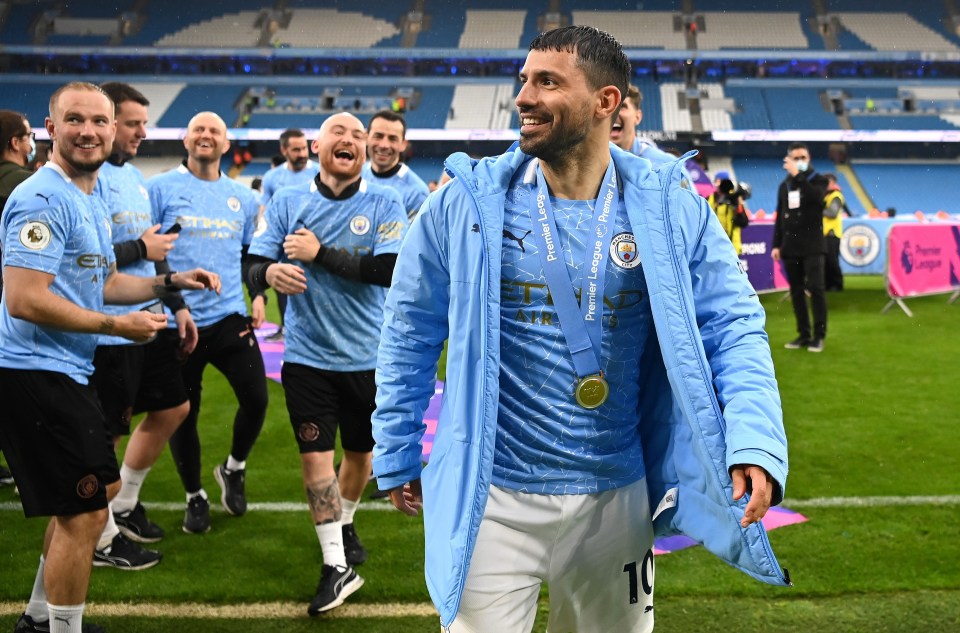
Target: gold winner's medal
[592, 391]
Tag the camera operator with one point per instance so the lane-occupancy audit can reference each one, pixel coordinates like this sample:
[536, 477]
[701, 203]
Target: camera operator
[727, 202]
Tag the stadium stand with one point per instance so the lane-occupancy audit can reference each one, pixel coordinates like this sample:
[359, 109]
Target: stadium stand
[894, 32]
[766, 30]
[676, 117]
[637, 29]
[492, 29]
[195, 98]
[232, 30]
[909, 186]
[482, 106]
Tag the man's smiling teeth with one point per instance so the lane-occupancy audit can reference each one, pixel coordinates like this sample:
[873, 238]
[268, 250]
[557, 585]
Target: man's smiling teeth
[342, 154]
[531, 121]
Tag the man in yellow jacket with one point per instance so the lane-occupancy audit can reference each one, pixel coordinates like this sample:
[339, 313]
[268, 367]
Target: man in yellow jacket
[834, 206]
[727, 203]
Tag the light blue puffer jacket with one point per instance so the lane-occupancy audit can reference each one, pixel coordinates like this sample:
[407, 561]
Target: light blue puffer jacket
[708, 391]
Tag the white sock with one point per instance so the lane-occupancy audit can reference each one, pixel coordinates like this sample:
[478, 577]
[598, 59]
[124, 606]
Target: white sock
[331, 543]
[233, 464]
[198, 493]
[109, 530]
[349, 508]
[37, 607]
[66, 619]
[129, 495]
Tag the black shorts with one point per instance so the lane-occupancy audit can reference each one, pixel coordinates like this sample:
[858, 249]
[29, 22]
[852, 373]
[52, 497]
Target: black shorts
[319, 401]
[52, 434]
[131, 379]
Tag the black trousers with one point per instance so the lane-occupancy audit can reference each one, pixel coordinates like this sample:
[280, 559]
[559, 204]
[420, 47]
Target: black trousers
[832, 275]
[230, 346]
[806, 274]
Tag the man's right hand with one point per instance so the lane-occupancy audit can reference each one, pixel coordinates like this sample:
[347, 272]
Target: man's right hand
[408, 498]
[139, 326]
[158, 244]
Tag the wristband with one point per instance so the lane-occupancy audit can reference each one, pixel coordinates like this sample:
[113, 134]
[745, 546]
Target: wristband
[168, 280]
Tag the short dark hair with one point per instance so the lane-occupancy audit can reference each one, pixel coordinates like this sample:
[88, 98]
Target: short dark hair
[389, 115]
[290, 133]
[830, 177]
[120, 92]
[599, 54]
[794, 146]
[12, 125]
[634, 94]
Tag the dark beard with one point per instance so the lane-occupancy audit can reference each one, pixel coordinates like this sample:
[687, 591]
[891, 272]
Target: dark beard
[298, 164]
[554, 148]
[88, 168]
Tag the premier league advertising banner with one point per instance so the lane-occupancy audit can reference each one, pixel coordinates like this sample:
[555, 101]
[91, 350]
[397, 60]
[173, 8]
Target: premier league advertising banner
[924, 259]
[764, 273]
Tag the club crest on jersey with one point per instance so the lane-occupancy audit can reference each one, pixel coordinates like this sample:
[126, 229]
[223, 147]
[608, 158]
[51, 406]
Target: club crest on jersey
[623, 251]
[35, 235]
[360, 225]
[261, 226]
[143, 192]
[234, 203]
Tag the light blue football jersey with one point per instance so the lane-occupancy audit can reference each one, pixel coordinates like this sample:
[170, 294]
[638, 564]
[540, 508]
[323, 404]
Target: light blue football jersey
[124, 192]
[282, 176]
[410, 186]
[335, 324]
[547, 443]
[49, 225]
[217, 218]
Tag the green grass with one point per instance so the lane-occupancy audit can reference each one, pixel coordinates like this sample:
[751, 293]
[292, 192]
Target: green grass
[873, 415]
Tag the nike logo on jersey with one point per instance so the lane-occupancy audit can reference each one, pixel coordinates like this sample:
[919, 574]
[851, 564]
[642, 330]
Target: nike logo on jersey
[519, 240]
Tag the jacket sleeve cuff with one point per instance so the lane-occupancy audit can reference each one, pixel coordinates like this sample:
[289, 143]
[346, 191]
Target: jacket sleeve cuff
[768, 462]
[394, 480]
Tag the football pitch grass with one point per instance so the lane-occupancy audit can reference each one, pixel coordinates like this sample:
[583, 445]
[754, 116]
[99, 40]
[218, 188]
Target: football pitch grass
[874, 464]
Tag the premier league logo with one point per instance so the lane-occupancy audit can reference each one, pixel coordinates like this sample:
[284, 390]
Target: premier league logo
[623, 251]
[35, 235]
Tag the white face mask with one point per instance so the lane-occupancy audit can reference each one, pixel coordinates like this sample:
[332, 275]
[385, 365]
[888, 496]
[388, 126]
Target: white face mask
[33, 150]
[803, 165]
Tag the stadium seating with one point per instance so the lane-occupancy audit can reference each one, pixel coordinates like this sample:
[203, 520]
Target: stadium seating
[482, 106]
[727, 30]
[909, 186]
[492, 29]
[894, 32]
[636, 29]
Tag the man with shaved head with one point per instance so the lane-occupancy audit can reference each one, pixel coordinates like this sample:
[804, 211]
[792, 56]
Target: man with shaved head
[217, 217]
[331, 245]
[60, 271]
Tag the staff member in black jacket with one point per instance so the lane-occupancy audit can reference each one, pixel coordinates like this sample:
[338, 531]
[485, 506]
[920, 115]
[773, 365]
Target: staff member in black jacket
[798, 241]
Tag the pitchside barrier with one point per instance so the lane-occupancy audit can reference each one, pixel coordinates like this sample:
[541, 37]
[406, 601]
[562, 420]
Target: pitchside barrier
[922, 259]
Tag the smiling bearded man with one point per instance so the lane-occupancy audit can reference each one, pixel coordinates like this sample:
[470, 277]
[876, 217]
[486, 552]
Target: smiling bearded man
[331, 244]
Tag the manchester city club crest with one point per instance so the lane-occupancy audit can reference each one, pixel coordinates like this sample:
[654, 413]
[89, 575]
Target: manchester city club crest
[360, 225]
[234, 203]
[35, 235]
[623, 251]
[143, 192]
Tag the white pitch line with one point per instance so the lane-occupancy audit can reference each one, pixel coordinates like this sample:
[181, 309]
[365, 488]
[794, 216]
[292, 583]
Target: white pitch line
[872, 502]
[383, 506]
[260, 611]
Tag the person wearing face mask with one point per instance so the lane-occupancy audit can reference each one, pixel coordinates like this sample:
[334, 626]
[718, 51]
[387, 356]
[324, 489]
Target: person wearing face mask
[798, 242]
[331, 245]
